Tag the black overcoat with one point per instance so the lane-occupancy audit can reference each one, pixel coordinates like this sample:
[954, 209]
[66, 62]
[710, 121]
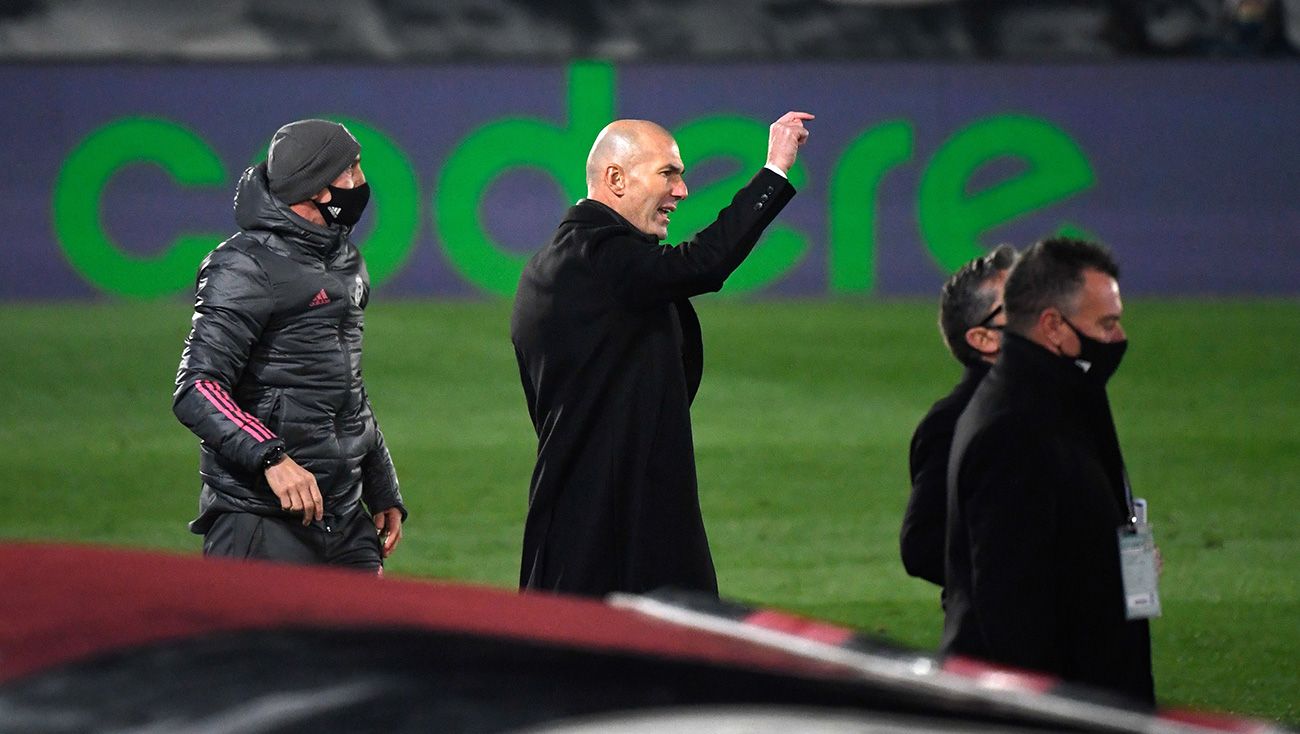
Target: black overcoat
[1036, 494]
[610, 356]
[920, 540]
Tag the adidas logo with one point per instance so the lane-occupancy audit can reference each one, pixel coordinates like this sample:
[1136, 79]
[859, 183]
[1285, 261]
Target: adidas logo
[334, 210]
[320, 300]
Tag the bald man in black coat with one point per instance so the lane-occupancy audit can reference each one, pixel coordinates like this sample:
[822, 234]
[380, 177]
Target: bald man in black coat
[610, 357]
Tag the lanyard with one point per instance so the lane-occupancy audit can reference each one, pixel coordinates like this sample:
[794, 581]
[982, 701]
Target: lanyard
[1128, 500]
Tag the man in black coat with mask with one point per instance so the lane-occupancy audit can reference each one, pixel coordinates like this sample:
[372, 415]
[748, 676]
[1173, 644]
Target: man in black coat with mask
[610, 357]
[1037, 492]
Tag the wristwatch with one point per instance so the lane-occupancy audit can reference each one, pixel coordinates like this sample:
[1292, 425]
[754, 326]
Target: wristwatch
[273, 456]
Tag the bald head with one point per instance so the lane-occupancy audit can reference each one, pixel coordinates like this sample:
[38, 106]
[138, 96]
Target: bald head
[621, 143]
[635, 169]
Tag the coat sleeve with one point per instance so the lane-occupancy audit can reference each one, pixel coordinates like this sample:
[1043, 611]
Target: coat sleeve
[1007, 497]
[233, 302]
[921, 538]
[379, 487]
[643, 273]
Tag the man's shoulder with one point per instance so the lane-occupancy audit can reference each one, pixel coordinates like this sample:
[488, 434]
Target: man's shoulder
[248, 243]
[1005, 408]
[588, 230]
[939, 421]
[1007, 432]
[240, 251]
[943, 414]
[591, 221]
[589, 212]
[946, 409]
[254, 253]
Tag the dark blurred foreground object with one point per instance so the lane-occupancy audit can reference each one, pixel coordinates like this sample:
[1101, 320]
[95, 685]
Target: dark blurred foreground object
[124, 641]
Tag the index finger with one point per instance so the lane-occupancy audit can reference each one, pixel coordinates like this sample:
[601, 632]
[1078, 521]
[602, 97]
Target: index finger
[793, 115]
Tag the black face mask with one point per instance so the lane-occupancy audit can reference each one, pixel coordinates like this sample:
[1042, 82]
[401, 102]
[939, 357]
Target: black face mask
[1098, 360]
[345, 205]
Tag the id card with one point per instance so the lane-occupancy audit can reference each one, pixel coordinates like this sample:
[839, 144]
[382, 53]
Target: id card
[1137, 565]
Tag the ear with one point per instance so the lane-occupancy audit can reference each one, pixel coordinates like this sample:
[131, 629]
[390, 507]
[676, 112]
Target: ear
[1049, 325]
[981, 340]
[615, 179]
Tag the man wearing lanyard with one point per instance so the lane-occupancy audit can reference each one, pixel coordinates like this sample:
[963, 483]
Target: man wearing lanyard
[1039, 507]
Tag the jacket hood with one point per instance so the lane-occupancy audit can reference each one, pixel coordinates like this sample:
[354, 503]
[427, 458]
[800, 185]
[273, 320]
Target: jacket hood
[257, 209]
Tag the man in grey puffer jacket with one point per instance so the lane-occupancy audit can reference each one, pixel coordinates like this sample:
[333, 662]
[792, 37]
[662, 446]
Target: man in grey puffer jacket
[293, 464]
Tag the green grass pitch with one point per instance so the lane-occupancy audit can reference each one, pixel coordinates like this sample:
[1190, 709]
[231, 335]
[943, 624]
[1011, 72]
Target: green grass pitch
[801, 433]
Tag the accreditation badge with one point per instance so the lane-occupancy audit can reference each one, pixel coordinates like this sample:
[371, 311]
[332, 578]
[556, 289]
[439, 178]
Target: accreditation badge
[1137, 565]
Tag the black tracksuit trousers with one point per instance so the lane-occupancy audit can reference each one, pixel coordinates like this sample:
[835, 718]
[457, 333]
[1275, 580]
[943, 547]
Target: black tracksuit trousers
[349, 540]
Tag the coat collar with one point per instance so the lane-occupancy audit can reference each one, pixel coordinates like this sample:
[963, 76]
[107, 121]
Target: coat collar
[974, 372]
[1056, 386]
[1023, 359]
[592, 213]
[1052, 382]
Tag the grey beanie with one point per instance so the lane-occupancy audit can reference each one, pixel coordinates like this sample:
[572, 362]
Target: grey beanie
[306, 156]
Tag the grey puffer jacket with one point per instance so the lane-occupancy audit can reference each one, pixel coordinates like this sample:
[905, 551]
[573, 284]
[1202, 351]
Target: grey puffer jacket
[274, 360]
